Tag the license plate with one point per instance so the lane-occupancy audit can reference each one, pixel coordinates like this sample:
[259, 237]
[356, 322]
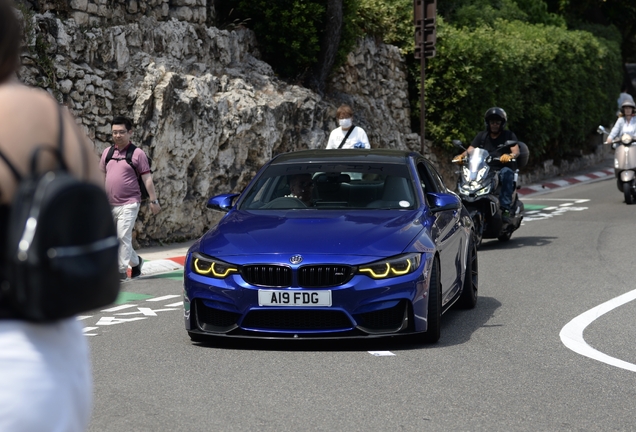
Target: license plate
[293, 298]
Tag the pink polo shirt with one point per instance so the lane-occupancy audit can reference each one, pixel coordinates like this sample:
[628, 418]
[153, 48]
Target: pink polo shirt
[121, 179]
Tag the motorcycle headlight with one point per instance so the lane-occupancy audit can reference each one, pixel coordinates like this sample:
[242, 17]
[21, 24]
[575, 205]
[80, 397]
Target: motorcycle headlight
[626, 139]
[392, 267]
[483, 191]
[211, 267]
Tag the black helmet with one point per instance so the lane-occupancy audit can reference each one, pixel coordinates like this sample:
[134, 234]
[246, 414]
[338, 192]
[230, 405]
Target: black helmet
[498, 113]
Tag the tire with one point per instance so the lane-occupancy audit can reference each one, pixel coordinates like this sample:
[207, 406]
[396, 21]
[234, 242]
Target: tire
[504, 237]
[470, 290]
[434, 311]
[627, 191]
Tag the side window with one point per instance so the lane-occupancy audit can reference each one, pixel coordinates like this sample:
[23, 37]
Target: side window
[437, 179]
[426, 181]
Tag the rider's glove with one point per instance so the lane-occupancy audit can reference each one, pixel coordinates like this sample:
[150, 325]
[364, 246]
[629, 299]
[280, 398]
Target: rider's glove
[458, 159]
[505, 158]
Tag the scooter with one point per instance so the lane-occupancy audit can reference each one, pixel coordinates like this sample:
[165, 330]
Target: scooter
[478, 187]
[624, 164]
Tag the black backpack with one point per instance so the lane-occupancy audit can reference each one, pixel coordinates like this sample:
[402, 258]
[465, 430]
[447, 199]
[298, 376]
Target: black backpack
[61, 254]
[129, 154]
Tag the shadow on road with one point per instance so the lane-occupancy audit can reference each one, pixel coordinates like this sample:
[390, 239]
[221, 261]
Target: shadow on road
[457, 328]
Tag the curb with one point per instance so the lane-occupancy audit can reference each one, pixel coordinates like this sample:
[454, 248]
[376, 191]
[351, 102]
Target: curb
[159, 266]
[558, 184]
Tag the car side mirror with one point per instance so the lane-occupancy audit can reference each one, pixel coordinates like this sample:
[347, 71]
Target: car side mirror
[222, 202]
[443, 201]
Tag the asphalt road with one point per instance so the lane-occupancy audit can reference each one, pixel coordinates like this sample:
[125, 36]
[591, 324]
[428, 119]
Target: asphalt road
[500, 367]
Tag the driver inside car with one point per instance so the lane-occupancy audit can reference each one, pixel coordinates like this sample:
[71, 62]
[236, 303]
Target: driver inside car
[492, 140]
[302, 187]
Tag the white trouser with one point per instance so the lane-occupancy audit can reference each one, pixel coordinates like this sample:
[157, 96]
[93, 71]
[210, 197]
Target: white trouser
[125, 217]
[45, 377]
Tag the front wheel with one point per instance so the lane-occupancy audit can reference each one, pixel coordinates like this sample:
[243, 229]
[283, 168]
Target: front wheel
[434, 312]
[504, 237]
[468, 298]
[627, 191]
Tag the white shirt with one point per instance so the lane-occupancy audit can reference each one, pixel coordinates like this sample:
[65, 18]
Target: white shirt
[622, 127]
[357, 136]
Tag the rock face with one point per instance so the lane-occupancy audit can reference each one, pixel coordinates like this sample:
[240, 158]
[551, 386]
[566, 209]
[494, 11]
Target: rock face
[206, 110]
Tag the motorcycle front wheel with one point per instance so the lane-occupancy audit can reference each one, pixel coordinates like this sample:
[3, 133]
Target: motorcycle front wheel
[628, 193]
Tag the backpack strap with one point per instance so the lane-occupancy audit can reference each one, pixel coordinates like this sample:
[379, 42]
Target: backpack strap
[14, 171]
[129, 155]
[346, 136]
[58, 151]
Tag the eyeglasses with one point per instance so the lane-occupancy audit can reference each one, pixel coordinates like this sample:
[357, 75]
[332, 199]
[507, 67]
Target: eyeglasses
[115, 133]
[497, 122]
[307, 184]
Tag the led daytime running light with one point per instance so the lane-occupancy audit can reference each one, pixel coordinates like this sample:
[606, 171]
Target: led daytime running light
[211, 270]
[388, 269]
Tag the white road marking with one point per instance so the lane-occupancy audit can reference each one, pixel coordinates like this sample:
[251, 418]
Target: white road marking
[146, 311]
[83, 317]
[177, 304]
[162, 298]
[118, 308]
[572, 334]
[381, 353]
[113, 320]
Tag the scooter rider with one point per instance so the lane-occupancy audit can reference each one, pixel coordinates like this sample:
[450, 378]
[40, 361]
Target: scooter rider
[491, 140]
[626, 123]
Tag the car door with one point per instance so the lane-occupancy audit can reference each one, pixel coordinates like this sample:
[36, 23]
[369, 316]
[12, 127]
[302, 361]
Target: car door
[447, 234]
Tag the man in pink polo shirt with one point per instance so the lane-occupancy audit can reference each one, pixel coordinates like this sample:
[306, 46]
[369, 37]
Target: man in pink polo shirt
[124, 193]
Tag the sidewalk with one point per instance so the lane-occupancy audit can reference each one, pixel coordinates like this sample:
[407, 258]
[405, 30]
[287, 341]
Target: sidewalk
[163, 259]
[170, 257]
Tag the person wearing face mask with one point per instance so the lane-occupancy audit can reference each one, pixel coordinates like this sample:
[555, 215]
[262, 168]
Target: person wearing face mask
[347, 135]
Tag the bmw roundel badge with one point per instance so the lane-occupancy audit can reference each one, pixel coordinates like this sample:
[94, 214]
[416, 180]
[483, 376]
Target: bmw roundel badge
[296, 259]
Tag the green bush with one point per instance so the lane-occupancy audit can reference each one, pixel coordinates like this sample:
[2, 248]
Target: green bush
[556, 85]
[289, 32]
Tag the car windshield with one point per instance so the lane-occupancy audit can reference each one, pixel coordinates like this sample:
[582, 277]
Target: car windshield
[331, 186]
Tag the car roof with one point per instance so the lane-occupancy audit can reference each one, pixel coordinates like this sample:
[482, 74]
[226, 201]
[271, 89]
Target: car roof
[345, 155]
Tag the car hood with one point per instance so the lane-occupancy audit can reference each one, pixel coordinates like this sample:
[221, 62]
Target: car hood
[365, 233]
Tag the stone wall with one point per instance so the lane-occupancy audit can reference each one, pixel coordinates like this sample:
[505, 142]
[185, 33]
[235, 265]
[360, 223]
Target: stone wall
[205, 108]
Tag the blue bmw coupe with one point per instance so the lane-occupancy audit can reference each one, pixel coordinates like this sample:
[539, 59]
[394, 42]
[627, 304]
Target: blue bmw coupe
[333, 244]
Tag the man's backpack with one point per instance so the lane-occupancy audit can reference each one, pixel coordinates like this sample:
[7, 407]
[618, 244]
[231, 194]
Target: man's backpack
[61, 255]
[129, 154]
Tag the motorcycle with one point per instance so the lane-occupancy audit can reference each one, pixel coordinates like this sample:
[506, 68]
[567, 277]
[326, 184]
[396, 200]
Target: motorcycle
[478, 187]
[624, 164]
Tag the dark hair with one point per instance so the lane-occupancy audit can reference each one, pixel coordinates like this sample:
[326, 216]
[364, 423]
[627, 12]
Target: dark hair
[120, 120]
[10, 37]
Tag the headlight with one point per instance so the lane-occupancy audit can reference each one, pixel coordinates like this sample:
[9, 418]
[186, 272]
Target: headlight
[392, 267]
[626, 138]
[483, 191]
[208, 266]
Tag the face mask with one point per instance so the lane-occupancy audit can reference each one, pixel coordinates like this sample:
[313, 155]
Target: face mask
[345, 123]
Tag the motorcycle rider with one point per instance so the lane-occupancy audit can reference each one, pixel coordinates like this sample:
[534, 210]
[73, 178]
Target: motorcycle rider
[492, 140]
[626, 123]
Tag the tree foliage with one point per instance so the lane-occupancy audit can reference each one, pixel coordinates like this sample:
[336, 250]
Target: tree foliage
[556, 85]
[291, 32]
